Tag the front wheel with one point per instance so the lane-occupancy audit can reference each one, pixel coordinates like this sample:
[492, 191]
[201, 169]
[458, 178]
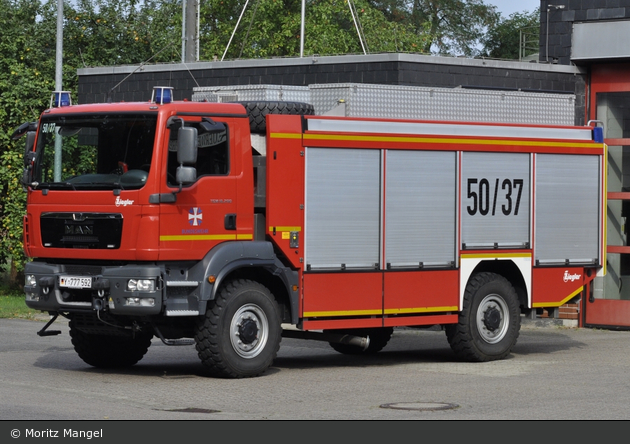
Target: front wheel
[108, 351]
[489, 322]
[240, 334]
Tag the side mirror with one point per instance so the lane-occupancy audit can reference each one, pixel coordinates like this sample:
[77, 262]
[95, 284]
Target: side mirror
[26, 178]
[187, 146]
[185, 175]
[186, 156]
[23, 128]
[29, 154]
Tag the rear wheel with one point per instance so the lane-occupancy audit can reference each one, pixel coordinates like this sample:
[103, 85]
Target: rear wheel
[489, 322]
[107, 351]
[379, 337]
[240, 334]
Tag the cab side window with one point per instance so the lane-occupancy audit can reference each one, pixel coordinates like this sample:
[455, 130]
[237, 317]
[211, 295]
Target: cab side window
[212, 150]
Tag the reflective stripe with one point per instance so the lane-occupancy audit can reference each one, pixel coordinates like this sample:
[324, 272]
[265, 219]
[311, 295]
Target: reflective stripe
[562, 302]
[285, 228]
[312, 314]
[196, 237]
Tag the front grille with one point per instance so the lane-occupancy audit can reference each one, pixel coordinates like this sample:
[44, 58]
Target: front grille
[81, 230]
[81, 269]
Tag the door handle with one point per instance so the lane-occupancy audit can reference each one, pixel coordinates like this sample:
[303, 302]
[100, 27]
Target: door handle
[230, 221]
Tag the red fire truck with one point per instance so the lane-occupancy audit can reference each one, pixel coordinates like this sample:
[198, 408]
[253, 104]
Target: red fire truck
[160, 219]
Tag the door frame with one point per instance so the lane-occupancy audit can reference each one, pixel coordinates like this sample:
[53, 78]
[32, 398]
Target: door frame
[607, 313]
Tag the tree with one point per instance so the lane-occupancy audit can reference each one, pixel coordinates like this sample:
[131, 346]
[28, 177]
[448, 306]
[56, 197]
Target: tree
[25, 85]
[96, 33]
[106, 32]
[504, 41]
[455, 27]
[271, 28]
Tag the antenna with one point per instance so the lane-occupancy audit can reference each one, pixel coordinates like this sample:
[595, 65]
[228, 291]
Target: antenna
[233, 32]
[353, 12]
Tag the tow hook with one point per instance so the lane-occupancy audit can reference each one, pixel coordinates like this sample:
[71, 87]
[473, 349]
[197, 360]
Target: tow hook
[98, 304]
[45, 332]
[46, 283]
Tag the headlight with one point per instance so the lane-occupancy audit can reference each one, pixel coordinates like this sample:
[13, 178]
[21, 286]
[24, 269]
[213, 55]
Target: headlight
[30, 280]
[140, 302]
[141, 285]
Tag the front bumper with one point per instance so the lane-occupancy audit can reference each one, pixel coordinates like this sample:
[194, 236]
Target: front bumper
[49, 287]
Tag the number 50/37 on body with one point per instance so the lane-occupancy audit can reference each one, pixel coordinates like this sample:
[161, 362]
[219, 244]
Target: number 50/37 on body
[484, 198]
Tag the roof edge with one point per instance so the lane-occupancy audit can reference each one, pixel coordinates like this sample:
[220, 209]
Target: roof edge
[312, 60]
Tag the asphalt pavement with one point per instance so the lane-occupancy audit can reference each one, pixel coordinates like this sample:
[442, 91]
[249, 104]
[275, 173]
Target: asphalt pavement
[555, 372]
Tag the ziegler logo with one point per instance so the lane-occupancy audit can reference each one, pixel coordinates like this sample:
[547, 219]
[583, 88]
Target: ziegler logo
[123, 203]
[570, 277]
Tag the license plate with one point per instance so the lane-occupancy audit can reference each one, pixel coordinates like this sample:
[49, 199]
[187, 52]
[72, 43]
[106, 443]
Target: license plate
[75, 282]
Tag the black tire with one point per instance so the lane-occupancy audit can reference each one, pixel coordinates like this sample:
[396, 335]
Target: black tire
[489, 322]
[379, 337]
[258, 110]
[106, 351]
[240, 335]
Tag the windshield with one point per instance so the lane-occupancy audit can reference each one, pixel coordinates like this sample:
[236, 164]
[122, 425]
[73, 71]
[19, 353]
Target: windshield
[96, 151]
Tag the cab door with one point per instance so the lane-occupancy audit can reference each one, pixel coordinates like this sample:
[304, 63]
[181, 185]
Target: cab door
[204, 212]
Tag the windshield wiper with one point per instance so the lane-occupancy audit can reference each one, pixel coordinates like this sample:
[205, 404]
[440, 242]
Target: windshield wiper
[118, 186]
[54, 185]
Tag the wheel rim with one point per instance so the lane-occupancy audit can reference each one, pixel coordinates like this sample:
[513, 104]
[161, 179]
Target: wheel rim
[492, 318]
[249, 331]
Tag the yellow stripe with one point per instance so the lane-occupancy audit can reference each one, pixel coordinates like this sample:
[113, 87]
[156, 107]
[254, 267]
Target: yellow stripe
[285, 228]
[419, 310]
[313, 314]
[398, 139]
[604, 259]
[494, 255]
[558, 304]
[285, 136]
[197, 237]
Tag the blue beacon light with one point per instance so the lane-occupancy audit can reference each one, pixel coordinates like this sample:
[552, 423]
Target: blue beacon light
[60, 98]
[162, 95]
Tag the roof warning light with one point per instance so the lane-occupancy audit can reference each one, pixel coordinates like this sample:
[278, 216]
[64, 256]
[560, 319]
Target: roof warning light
[162, 95]
[60, 98]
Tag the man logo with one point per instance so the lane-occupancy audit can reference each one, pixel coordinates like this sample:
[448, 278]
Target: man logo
[78, 230]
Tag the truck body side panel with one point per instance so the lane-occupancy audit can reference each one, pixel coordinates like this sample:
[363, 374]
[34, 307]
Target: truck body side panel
[338, 295]
[420, 293]
[392, 208]
[555, 286]
[285, 187]
[567, 221]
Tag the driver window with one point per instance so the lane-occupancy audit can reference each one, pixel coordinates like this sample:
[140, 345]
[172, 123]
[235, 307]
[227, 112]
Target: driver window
[212, 150]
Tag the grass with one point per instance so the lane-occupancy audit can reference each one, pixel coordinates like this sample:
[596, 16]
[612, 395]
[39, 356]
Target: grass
[12, 305]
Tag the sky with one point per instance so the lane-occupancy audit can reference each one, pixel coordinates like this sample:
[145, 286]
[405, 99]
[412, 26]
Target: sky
[507, 7]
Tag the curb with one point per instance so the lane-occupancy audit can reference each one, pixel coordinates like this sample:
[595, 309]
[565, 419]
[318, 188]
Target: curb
[548, 322]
